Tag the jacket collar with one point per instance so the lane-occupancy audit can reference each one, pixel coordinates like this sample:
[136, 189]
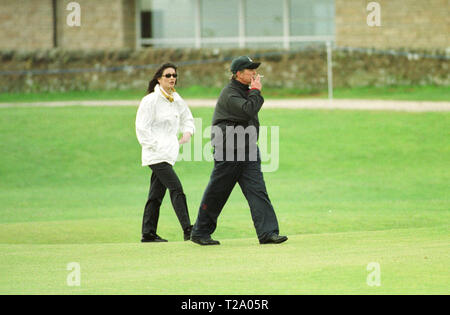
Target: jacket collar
[176, 96]
[239, 85]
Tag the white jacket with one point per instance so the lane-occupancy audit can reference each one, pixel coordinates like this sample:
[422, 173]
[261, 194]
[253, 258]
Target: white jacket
[158, 123]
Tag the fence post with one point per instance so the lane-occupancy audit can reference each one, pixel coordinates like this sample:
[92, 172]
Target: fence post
[330, 71]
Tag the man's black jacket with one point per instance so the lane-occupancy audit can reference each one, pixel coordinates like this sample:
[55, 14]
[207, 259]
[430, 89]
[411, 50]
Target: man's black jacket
[237, 106]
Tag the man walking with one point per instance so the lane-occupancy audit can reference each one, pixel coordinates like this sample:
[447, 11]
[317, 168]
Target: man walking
[237, 158]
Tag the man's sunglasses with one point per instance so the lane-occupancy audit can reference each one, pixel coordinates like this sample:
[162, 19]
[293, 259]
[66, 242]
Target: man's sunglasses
[171, 75]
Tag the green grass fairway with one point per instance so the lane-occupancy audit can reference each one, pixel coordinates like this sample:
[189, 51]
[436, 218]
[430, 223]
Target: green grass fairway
[352, 188]
[411, 261]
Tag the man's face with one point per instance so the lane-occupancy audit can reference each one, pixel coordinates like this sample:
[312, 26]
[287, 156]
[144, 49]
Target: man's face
[245, 76]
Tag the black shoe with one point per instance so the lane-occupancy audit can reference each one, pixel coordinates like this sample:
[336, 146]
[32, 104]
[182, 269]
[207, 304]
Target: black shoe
[274, 239]
[187, 233]
[148, 238]
[204, 241]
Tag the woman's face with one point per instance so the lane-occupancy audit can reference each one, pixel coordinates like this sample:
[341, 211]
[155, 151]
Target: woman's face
[167, 80]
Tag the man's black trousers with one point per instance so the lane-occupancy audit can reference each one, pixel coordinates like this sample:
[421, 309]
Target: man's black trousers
[163, 178]
[224, 177]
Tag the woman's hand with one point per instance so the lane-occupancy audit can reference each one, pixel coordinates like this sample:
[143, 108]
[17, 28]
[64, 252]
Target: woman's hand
[185, 138]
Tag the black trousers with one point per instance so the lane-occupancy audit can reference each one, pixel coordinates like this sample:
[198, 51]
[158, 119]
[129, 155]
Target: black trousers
[224, 177]
[163, 178]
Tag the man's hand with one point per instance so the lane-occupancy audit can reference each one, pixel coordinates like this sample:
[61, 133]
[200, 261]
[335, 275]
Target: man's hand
[256, 83]
[185, 139]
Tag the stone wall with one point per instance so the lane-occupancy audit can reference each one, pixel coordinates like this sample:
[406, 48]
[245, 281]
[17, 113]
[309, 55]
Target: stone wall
[26, 24]
[105, 24]
[413, 24]
[305, 69]
[29, 25]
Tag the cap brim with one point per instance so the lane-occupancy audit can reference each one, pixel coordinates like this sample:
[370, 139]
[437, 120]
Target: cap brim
[254, 65]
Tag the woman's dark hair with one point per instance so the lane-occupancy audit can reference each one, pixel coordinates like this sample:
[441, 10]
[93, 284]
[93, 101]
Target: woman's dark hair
[153, 82]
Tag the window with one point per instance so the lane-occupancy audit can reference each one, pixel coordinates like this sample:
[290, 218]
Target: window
[165, 20]
[264, 18]
[220, 18]
[146, 24]
[235, 23]
[312, 17]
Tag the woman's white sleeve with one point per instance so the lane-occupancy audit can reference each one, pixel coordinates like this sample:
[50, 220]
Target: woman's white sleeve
[187, 120]
[144, 118]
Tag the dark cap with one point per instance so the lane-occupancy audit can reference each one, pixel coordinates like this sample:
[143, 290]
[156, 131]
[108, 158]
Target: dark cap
[243, 62]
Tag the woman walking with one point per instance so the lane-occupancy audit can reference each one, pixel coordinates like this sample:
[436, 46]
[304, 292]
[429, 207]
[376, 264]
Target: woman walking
[162, 114]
